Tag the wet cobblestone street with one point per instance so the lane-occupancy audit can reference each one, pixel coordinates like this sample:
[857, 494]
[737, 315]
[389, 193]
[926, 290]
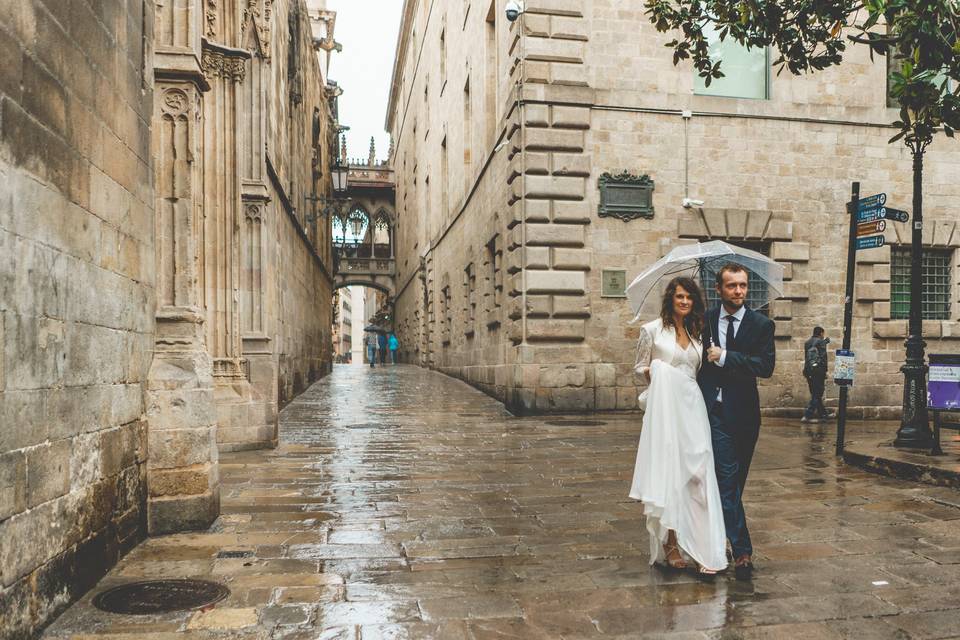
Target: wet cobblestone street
[405, 504]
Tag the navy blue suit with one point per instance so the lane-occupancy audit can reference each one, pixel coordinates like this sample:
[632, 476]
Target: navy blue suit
[735, 422]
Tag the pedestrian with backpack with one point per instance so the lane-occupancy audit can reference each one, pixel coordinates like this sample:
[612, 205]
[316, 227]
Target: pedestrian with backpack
[815, 371]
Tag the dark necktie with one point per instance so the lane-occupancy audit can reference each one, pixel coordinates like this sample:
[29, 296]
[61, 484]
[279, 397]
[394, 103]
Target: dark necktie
[730, 332]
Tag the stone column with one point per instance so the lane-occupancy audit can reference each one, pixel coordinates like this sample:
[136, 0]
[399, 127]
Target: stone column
[549, 253]
[258, 241]
[182, 477]
[241, 423]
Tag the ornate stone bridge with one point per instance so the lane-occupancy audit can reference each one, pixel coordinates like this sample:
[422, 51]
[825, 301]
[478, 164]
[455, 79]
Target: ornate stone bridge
[363, 232]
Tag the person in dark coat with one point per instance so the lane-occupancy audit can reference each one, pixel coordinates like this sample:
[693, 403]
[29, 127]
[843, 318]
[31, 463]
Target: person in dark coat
[738, 348]
[382, 345]
[815, 371]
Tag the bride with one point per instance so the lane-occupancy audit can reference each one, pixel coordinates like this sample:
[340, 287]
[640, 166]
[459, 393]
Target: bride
[674, 475]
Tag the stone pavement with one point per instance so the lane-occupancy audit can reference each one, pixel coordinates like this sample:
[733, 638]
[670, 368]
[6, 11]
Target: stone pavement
[404, 504]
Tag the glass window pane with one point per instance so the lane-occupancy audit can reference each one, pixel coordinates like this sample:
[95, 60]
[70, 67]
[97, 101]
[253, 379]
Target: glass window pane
[756, 286]
[936, 283]
[745, 70]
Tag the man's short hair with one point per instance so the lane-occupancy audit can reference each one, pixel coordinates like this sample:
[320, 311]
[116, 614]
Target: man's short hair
[818, 331]
[730, 267]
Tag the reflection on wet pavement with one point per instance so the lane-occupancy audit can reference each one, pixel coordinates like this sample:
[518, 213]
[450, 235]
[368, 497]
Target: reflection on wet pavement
[404, 504]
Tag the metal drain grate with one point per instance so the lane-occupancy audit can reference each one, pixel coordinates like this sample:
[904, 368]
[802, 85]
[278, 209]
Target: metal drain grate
[371, 425]
[160, 596]
[576, 423]
[235, 554]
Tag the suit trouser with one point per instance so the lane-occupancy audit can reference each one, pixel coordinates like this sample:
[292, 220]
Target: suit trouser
[732, 453]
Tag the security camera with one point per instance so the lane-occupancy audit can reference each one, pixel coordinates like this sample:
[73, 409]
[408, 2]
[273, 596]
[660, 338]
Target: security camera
[514, 9]
[690, 203]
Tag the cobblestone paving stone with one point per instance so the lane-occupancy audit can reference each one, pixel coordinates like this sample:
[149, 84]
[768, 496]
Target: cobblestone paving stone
[404, 504]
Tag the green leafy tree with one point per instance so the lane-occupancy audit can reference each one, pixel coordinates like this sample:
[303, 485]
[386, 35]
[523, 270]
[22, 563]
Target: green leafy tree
[810, 35]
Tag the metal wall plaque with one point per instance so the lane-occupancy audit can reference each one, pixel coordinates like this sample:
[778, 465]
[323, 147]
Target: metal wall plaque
[613, 283]
[625, 196]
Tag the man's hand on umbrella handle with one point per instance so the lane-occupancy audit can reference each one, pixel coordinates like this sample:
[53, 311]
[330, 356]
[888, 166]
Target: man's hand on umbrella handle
[714, 352]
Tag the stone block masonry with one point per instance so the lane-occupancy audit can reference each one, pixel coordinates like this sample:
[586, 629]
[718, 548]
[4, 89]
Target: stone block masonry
[573, 90]
[77, 291]
[161, 294]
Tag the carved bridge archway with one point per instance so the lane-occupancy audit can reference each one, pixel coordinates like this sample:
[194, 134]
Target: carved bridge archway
[363, 249]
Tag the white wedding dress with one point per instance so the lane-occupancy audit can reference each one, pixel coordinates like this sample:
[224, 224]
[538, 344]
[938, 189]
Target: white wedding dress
[674, 475]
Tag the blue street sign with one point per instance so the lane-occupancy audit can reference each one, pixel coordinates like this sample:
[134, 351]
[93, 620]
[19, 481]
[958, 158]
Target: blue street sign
[897, 215]
[872, 202]
[870, 242]
[869, 215]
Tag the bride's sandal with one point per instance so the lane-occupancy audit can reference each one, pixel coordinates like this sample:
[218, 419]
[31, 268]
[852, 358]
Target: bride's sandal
[705, 574]
[672, 557]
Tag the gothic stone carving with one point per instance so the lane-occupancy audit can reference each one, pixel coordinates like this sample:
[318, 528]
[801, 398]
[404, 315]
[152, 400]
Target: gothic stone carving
[258, 13]
[211, 15]
[219, 64]
[174, 102]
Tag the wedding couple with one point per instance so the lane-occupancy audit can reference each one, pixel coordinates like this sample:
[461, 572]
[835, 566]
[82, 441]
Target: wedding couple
[701, 421]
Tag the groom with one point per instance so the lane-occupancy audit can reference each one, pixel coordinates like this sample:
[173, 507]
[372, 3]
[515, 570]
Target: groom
[738, 349]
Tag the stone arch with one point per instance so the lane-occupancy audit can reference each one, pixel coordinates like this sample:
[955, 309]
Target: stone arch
[380, 285]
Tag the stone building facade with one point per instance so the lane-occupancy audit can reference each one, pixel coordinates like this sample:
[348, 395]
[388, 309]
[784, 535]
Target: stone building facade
[164, 284]
[503, 131]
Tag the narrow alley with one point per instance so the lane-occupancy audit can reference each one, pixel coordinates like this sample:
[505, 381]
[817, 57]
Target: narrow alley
[404, 504]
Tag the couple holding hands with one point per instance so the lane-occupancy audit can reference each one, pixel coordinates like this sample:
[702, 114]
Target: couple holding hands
[701, 422]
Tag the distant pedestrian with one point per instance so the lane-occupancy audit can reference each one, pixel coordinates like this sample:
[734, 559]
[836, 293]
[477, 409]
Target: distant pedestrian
[815, 371]
[371, 344]
[382, 343]
[394, 344]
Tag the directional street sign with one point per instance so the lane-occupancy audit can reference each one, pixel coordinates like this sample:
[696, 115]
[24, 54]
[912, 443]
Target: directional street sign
[897, 215]
[870, 242]
[869, 215]
[870, 228]
[872, 202]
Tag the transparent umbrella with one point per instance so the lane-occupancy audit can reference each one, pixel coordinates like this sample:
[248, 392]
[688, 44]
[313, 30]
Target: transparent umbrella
[701, 262]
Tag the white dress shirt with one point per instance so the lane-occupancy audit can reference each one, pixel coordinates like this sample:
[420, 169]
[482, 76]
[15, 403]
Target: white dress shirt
[722, 336]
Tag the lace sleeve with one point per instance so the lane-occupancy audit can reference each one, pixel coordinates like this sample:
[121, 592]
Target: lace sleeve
[644, 354]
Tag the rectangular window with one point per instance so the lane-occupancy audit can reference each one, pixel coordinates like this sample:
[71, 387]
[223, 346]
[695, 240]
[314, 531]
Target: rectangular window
[443, 58]
[444, 179]
[446, 310]
[746, 72]
[756, 287]
[936, 283]
[470, 297]
[467, 134]
[426, 107]
[494, 285]
[490, 84]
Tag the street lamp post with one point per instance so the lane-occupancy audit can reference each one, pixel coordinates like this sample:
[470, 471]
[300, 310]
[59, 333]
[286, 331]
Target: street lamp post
[333, 206]
[914, 432]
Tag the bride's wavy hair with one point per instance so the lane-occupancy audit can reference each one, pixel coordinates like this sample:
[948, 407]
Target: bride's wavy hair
[695, 319]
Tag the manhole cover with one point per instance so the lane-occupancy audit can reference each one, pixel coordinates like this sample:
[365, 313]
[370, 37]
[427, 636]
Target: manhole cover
[576, 423]
[160, 596]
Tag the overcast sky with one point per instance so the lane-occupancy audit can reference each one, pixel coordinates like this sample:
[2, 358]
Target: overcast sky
[367, 29]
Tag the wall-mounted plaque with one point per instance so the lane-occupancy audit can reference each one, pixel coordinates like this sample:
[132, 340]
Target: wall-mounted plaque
[626, 196]
[613, 283]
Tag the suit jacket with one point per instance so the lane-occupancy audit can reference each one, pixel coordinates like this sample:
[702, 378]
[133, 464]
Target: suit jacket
[752, 355]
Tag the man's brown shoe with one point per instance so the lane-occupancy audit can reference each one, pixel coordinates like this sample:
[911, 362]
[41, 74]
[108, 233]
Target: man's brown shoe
[743, 570]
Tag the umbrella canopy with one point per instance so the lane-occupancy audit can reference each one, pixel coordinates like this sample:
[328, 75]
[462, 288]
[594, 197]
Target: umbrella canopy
[374, 329]
[701, 262]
